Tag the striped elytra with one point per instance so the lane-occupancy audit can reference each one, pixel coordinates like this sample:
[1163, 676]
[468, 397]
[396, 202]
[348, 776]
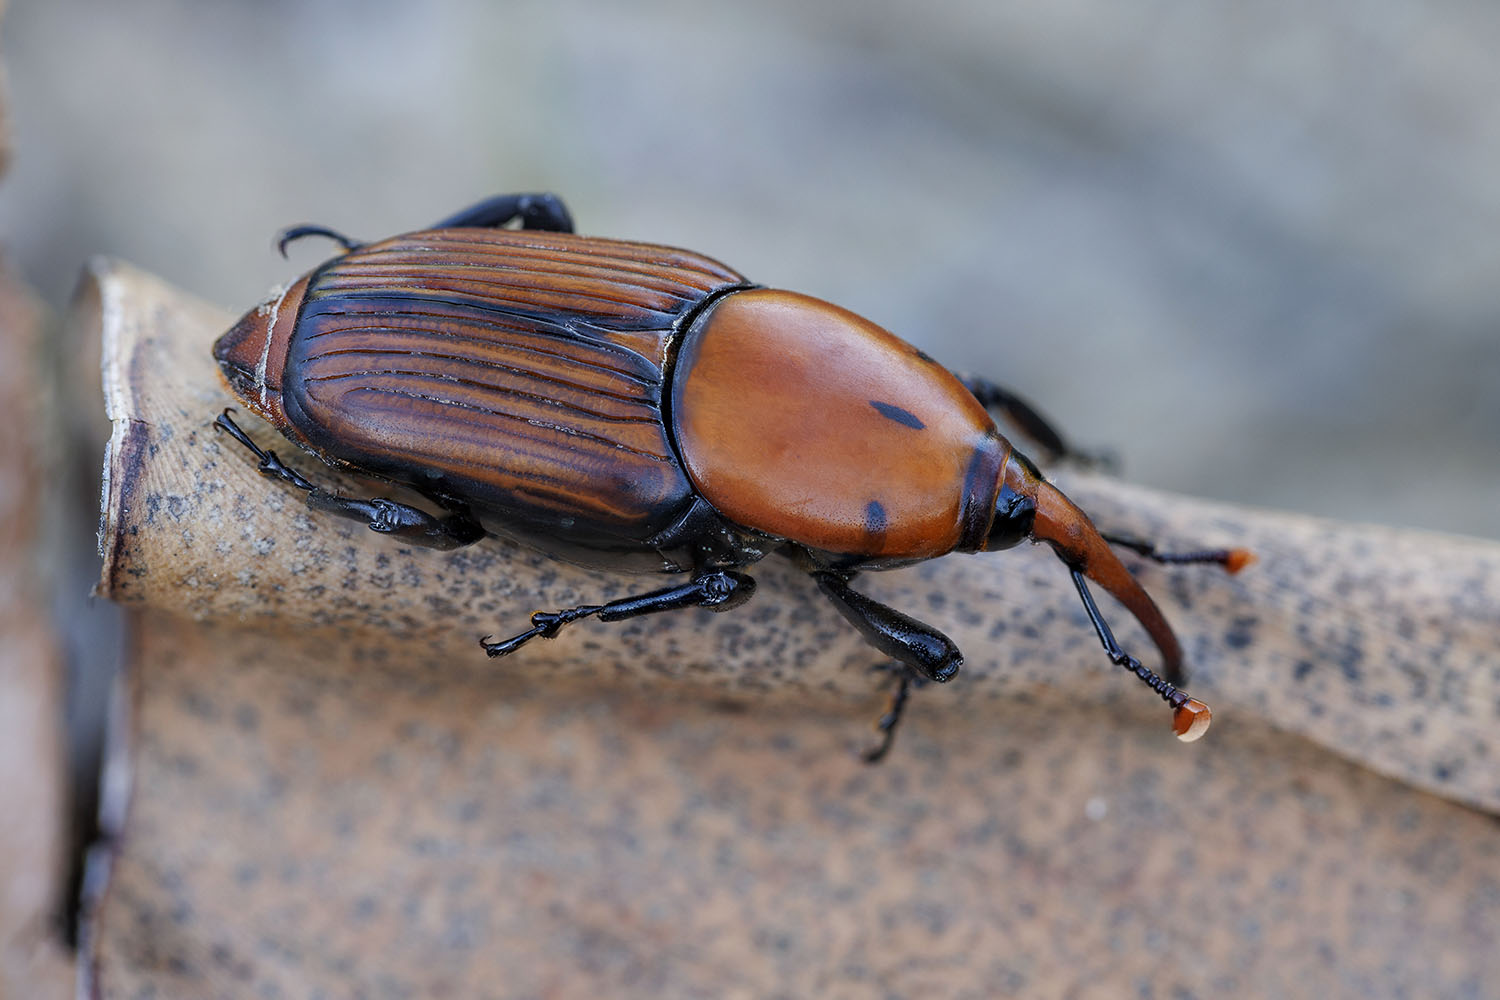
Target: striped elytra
[524, 371]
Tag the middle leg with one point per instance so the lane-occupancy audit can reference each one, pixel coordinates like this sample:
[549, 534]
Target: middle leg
[717, 591]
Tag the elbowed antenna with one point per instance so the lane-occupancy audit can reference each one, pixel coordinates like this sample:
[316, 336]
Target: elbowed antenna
[1057, 521]
[1190, 717]
[1060, 523]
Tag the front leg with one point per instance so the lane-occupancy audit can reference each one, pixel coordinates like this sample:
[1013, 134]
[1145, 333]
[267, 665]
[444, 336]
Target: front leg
[717, 591]
[921, 647]
[895, 710]
[921, 652]
[1233, 560]
[1025, 417]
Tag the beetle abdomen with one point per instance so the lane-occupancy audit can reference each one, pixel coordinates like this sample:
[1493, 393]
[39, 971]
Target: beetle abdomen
[521, 370]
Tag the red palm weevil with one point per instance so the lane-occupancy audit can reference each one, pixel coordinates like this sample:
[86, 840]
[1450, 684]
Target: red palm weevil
[645, 408]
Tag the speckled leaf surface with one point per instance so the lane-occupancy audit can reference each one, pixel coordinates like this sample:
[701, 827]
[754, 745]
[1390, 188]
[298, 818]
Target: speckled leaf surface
[300, 829]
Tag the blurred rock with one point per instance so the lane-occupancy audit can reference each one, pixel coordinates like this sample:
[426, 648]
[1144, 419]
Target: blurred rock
[33, 789]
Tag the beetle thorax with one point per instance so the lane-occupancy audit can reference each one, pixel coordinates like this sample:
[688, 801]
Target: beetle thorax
[807, 422]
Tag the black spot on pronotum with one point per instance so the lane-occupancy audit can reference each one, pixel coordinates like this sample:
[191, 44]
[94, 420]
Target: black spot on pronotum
[875, 518]
[904, 417]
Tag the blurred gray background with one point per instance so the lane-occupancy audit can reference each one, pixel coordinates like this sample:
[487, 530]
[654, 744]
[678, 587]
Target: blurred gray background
[1254, 247]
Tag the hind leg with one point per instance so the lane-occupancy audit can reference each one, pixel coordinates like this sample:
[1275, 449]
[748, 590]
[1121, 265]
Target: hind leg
[388, 517]
[533, 211]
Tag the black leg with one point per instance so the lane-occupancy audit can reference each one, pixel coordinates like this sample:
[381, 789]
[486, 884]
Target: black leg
[922, 653]
[1190, 717]
[291, 233]
[717, 591]
[1004, 403]
[921, 647]
[1233, 560]
[534, 211]
[410, 524]
[895, 710]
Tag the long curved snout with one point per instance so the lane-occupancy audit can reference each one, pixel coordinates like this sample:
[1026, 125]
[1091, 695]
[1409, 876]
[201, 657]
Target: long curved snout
[1060, 523]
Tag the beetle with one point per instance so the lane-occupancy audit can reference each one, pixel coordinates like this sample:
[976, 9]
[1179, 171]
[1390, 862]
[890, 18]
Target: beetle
[646, 408]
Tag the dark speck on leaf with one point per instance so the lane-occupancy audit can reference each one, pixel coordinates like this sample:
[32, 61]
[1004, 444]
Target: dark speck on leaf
[1350, 658]
[1241, 633]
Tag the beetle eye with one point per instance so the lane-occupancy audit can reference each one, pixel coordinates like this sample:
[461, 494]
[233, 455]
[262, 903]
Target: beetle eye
[1014, 514]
